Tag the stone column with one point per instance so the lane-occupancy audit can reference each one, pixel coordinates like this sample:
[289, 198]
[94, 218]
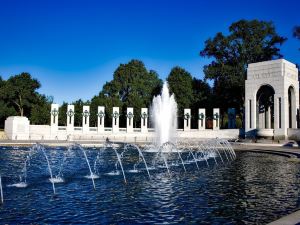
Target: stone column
[201, 119]
[187, 120]
[254, 109]
[54, 119]
[115, 120]
[101, 116]
[216, 119]
[129, 121]
[261, 117]
[268, 117]
[70, 119]
[231, 118]
[285, 114]
[144, 120]
[85, 119]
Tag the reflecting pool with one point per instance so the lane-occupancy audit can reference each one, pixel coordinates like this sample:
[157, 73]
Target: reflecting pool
[255, 188]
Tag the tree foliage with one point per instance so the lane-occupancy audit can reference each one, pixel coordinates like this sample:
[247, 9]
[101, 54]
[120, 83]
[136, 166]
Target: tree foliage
[40, 112]
[296, 32]
[181, 84]
[19, 91]
[132, 86]
[19, 96]
[247, 42]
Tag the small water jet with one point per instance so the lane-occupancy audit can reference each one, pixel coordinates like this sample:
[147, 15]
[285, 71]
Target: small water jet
[1, 190]
[92, 176]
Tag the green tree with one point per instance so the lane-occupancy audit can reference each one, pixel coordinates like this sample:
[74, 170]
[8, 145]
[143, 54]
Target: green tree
[202, 98]
[132, 86]
[19, 91]
[78, 106]
[40, 112]
[247, 42]
[181, 84]
[62, 114]
[5, 109]
[296, 32]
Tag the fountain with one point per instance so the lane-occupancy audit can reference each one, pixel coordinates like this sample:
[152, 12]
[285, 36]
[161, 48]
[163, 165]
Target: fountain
[164, 115]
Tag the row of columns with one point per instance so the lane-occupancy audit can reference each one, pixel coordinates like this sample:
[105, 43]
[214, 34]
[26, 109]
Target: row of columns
[130, 117]
[100, 115]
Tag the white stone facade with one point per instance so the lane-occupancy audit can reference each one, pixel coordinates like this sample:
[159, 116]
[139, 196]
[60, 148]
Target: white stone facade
[19, 128]
[281, 77]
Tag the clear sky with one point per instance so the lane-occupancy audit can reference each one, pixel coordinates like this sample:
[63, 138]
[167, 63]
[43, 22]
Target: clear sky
[73, 47]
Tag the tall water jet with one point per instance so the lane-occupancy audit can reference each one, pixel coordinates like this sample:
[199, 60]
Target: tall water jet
[164, 116]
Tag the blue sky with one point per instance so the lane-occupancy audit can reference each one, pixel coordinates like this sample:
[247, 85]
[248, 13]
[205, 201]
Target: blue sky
[73, 47]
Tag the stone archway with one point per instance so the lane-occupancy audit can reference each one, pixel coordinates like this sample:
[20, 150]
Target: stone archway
[271, 98]
[265, 107]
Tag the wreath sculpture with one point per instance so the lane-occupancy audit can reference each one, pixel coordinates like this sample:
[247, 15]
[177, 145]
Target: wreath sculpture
[130, 115]
[144, 115]
[115, 115]
[201, 116]
[100, 114]
[216, 116]
[187, 116]
[70, 113]
[86, 113]
[54, 112]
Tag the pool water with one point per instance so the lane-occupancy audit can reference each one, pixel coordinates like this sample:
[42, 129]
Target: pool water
[255, 188]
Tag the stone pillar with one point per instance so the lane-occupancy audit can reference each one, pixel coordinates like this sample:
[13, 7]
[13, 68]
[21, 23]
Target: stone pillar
[261, 117]
[187, 120]
[268, 117]
[86, 119]
[54, 119]
[277, 101]
[129, 122]
[253, 113]
[101, 116]
[70, 119]
[216, 119]
[285, 114]
[115, 120]
[144, 120]
[201, 119]
[231, 118]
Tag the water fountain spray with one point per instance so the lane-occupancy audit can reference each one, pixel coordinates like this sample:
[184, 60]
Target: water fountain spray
[1, 190]
[164, 115]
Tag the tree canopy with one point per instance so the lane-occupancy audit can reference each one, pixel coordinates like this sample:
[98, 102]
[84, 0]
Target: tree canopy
[20, 92]
[19, 96]
[132, 86]
[296, 32]
[181, 84]
[248, 41]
